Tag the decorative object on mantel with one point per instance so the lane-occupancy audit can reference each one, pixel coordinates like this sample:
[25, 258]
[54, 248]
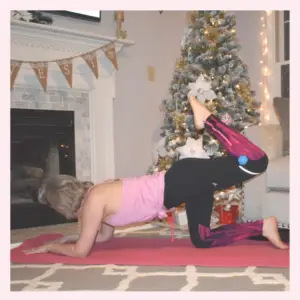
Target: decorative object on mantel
[32, 16]
[160, 11]
[41, 67]
[119, 18]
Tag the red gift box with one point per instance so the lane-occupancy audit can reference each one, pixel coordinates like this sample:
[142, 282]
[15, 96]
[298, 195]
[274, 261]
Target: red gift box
[170, 218]
[227, 216]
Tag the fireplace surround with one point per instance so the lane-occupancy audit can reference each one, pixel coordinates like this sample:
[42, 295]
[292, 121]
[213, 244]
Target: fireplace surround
[42, 145]
[87, 106]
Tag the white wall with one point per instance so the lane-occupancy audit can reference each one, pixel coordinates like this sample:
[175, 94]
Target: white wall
[137, 115]
[136, 108]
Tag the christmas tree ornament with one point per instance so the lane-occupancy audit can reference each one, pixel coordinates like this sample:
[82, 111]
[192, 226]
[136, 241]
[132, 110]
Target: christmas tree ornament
[211, 148]
[226, 119]
[201, 89]
[192, 15]
[213, 21]
[179, 119]
[212, 33]
[159, 150]
[192, 148]
[180, 63]
[164, 163]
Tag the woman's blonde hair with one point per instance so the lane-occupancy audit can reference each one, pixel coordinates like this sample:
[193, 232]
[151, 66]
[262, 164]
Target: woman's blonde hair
[64, 193]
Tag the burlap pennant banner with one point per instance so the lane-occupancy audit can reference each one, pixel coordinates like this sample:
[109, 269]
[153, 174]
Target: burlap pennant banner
[91, 60]
[66, 67]
[110, 53]
[41, 71]
[15, 66]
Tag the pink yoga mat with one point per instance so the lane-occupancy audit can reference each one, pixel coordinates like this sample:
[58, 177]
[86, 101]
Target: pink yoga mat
[160, 252]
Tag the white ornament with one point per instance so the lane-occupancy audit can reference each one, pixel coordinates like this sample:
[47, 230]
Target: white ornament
[159, 150]
[201, 89]
[210, 151]
[226, 119]
[192, 148]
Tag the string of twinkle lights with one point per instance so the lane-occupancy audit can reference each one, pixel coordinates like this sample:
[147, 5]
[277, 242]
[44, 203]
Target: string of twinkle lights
[264, 63]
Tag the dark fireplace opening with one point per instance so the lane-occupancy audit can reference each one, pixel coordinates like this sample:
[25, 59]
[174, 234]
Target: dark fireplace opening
[42, 145]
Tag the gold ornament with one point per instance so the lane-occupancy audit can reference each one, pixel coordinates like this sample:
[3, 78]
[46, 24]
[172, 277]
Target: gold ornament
[179, 119]
[212, 33]
[164, 163]
[186, 109]
[244, 91]
[181, 139]
[211, 105]
[222, 14]
[180, 63]
[192, 15]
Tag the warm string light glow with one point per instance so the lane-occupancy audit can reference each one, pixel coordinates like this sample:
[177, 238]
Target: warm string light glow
[265, 72]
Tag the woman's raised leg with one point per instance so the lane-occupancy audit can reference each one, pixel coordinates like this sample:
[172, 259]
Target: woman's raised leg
[195, 180]
[245, 160]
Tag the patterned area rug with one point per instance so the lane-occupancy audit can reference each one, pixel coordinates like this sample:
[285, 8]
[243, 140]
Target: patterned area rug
[58, 277]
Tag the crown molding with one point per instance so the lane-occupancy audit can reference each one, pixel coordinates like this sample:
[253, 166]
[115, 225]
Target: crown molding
[56, 39]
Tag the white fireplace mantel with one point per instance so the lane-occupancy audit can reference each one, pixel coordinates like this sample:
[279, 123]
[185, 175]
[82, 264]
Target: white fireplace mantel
[35, 42]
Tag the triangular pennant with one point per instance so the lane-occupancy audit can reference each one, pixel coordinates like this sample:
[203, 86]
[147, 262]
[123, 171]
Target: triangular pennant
[66, 68]
[91, 60]
[15, 66]
[110, 53]
[41, 71]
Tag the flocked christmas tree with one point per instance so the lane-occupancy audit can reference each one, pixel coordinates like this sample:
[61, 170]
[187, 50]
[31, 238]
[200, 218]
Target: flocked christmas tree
[209, 50]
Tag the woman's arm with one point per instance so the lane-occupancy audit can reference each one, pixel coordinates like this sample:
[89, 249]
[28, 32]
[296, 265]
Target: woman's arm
[70, 238]
[105, 234]
[90, 223]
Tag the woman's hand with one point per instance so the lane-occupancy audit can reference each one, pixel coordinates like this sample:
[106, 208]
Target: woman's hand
[41, 249]
[45, 248]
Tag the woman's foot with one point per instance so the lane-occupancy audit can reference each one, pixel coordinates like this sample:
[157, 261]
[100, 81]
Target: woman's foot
[270, 231]
[201, 113]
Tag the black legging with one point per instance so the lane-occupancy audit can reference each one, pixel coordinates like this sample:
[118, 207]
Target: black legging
[194, 181]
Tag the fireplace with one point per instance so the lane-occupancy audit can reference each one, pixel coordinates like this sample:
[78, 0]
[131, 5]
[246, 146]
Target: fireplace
[42, 145]
[88, 104]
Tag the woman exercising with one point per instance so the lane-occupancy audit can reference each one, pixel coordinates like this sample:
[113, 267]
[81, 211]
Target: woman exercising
[102, 207]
